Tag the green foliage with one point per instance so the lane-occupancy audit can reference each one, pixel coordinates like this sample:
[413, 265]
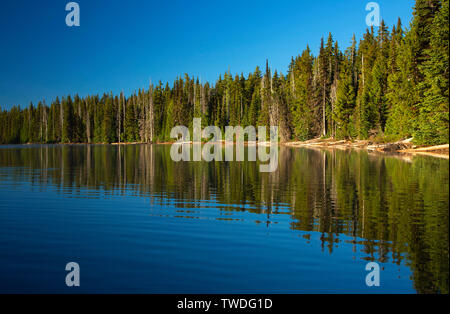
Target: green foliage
[345, 104]
[302, 108]
[391, 83]
[433, 119]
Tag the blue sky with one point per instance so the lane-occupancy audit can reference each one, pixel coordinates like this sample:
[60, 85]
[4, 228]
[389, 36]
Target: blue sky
[121, 45]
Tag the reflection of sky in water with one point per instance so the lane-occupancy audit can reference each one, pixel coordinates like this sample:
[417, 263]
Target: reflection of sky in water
[214, 228]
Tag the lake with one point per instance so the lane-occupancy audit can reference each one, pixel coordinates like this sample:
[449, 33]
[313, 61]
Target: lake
[137, 222]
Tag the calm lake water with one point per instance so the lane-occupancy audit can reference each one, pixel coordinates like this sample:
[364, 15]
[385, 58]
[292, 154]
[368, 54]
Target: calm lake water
[135, 221]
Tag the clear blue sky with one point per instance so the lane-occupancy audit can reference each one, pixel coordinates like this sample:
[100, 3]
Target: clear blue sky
[121, 45]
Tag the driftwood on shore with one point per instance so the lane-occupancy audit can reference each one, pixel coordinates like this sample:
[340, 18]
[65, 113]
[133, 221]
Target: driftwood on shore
[401, 147]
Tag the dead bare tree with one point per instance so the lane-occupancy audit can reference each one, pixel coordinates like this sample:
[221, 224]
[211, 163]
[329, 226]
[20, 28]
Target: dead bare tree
[150, 115]
[88, 123]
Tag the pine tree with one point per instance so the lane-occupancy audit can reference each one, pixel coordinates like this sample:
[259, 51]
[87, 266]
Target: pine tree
[345, 101]
[380, 78]
[266, 99]
[302, 108]
[131, 123]
[109, 126]
[366, 108]
[433, 120]
[69, 120]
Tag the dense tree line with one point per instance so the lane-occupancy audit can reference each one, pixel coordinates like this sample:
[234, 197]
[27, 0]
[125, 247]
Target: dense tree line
[392, 84]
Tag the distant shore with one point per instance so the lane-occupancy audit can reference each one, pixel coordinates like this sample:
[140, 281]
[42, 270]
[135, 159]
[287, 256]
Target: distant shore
[401, 147]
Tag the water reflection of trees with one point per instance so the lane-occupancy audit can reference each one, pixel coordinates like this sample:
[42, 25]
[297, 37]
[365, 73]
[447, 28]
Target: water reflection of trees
[396, 210]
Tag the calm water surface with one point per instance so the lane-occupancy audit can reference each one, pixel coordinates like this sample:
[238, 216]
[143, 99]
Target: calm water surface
[137, 222]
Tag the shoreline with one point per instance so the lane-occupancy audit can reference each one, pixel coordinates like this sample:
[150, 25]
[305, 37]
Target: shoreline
[404, 147]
